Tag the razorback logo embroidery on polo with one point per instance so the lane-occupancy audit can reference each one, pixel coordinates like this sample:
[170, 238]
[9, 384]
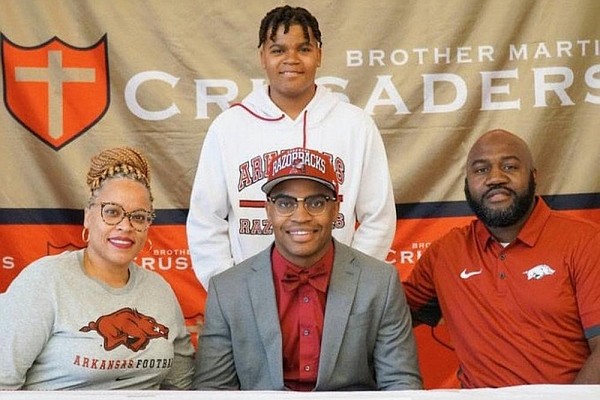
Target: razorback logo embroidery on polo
[127, 327]
[55, 90]
[539, 271]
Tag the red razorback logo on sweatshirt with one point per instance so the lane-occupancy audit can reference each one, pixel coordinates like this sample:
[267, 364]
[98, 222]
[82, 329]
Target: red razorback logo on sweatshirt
[127, 327]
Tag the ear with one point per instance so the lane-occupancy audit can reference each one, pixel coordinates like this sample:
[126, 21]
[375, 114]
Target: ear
[335, 211]
[269, 210]
[337, 207]
[319, 55]
[86, 217]
[261, 56]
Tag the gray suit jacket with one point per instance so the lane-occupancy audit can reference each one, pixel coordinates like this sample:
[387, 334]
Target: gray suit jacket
[367, 341]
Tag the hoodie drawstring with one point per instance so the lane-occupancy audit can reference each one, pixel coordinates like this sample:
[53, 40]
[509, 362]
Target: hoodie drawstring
[256, 115]
[304, 118]
[304, 129]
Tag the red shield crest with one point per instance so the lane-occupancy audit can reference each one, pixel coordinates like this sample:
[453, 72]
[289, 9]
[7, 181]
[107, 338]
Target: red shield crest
[55, 90]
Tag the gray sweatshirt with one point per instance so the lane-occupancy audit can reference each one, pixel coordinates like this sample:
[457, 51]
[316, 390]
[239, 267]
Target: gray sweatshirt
[61, 329]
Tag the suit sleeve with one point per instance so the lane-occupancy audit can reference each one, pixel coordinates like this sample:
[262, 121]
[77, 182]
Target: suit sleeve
[395, 356]
[207, 226]
[215, 367]
[375, 208]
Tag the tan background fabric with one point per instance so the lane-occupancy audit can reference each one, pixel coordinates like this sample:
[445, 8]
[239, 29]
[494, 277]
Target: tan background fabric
[196, 41]
[434, 74]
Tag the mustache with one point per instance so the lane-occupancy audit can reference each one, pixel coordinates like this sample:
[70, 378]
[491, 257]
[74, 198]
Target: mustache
[496, 187]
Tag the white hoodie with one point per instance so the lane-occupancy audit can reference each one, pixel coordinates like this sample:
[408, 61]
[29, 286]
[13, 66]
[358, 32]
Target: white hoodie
[227, 222]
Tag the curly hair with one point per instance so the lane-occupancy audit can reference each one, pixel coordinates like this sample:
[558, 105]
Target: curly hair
[124, 162]
[288, 16]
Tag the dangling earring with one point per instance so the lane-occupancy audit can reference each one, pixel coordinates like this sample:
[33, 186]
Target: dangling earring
[150, 242]
[85, 235]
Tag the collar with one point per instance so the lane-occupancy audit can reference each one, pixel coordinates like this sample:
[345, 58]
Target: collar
[530, 232]
[280, 265]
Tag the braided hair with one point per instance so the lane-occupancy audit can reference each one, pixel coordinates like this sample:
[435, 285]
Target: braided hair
[287, 16]
[123, 162]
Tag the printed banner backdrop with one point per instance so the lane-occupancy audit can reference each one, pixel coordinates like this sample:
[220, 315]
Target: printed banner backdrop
[81, 76]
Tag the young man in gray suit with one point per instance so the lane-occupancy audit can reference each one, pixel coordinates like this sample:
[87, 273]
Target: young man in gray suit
[307, 313]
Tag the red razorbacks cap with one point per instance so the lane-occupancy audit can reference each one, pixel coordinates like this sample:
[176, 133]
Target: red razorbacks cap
[301, 163]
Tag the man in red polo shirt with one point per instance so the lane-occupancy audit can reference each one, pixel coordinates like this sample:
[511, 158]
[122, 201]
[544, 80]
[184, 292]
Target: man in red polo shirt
[518, 288]
[307, 313]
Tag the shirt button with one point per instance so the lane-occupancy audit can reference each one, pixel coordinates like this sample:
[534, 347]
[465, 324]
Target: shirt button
[306, 299]
[502, 275]
[502, 257]
[306, 332]
[307, 368]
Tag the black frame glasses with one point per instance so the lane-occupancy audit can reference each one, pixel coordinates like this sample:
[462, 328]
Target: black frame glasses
[140, 219]
[286, 205]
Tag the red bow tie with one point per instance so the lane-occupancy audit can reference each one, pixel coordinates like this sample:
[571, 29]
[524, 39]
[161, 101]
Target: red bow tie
[314, 276]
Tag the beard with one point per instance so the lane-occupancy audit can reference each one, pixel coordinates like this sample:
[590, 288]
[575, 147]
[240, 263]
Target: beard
[508, 216]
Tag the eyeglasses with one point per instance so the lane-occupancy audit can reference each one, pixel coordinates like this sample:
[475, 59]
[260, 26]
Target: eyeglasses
[113, 214]
[287, 205]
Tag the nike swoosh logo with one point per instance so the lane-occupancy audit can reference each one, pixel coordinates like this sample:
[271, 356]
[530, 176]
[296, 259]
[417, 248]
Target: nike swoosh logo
[466, 275]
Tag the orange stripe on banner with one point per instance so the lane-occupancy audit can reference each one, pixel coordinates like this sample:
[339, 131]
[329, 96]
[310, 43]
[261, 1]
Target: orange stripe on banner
[169, 256]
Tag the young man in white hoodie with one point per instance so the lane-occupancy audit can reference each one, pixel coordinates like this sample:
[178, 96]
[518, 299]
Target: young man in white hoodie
[227, 221]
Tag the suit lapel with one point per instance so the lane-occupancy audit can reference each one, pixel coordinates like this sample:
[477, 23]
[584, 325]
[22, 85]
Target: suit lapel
[264, 306]
[340, 297]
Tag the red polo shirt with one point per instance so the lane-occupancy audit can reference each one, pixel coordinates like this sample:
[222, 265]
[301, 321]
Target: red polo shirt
[518, 314]
[301, 316]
